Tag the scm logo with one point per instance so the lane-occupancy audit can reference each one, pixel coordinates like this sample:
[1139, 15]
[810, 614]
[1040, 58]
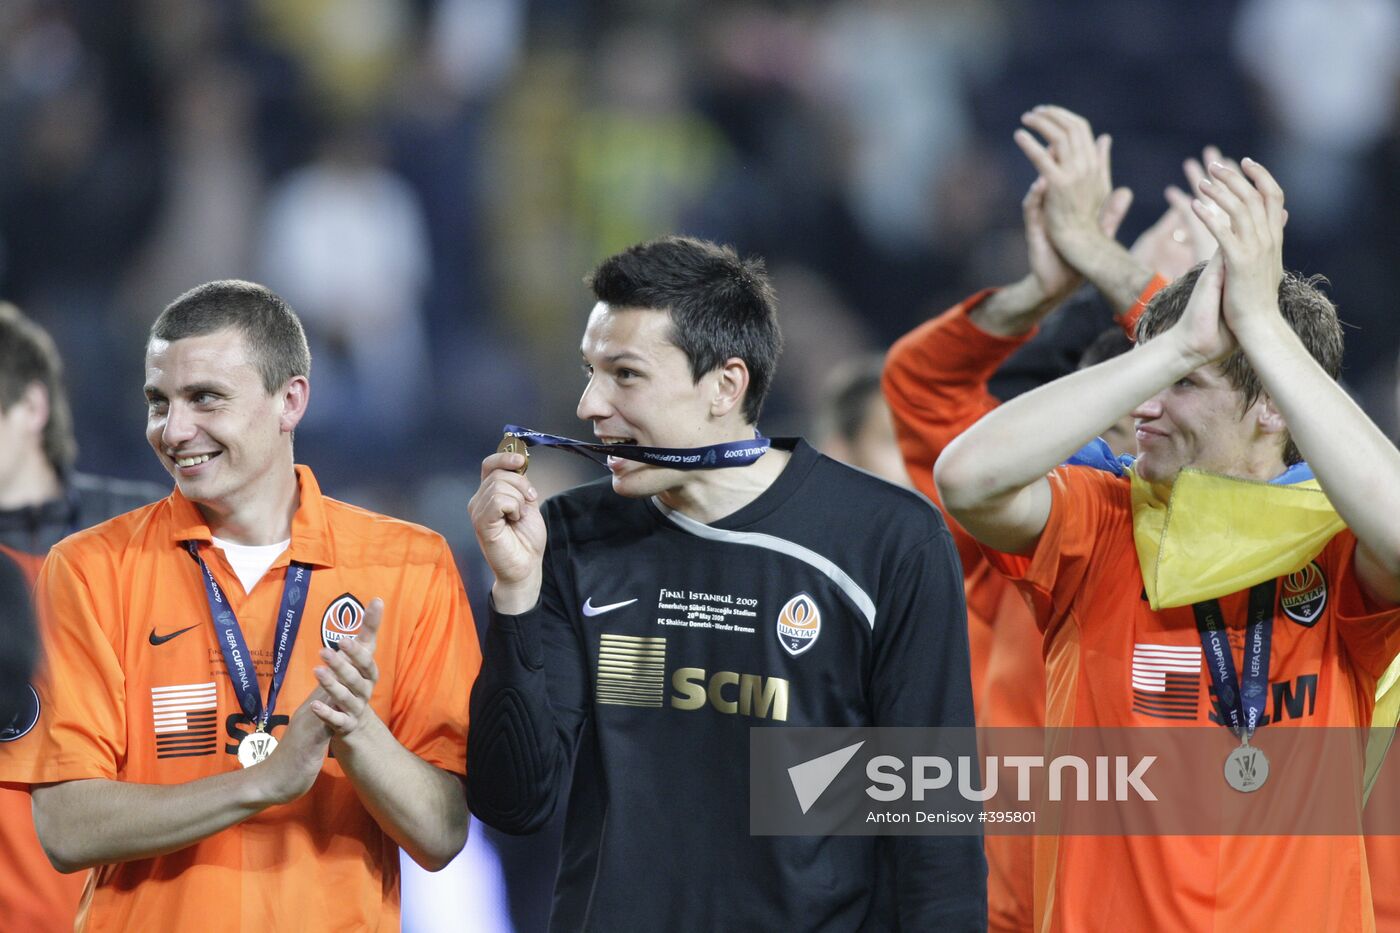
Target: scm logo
[728, 692]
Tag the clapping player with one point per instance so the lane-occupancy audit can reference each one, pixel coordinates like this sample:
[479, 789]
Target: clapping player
[1232, 385]
[204, 746]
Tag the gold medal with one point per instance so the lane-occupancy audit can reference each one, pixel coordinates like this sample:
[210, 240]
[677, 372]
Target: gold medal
[255, 747]
[513, 444]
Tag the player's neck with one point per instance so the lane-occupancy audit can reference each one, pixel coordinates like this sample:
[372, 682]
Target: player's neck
[33, 483]
[709, 495]
[264, 517]
[1258, 465]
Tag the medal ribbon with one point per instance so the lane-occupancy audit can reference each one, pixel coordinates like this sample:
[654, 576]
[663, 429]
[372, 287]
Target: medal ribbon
[1241, 698]
[713, 457]
[237, 658]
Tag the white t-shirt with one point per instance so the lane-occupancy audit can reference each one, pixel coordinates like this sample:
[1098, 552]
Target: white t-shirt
[250, 561]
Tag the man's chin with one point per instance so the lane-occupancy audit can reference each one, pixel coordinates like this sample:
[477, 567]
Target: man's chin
[644, 481]
[632, 486]
[1149, 469]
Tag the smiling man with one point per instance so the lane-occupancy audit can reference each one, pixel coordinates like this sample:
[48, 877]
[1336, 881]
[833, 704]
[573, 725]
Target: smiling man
[641, 625]
[1256, 591]
[167, 762]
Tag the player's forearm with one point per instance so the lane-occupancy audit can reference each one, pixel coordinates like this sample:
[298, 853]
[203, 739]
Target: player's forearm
[1019, 442]
[98, 822]
[1015, 310]
[1358, 467]
[1107, 266]
[422, 807]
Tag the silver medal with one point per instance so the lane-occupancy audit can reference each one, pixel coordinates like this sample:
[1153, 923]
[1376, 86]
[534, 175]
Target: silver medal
[1246, 769]
[255, 747]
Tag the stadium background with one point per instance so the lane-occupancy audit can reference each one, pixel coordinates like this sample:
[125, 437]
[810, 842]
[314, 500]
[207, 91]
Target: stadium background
[427, 181]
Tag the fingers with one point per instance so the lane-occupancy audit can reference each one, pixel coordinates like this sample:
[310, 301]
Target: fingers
[334, 719]
[1036, 153]
[1103, 150]
[341, 697]
[503, 462]
[1033, 204]
[1115, 208]
[1212, 154]
[1269, 189]
[1071, 139]
[365, 640]
[1178, 199]
[1195, 171]
[1215, 219]
[1238, 198]
[502, 494]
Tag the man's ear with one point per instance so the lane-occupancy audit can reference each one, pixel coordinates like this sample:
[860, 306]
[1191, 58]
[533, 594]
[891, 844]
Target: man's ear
[1268, 417]
[34, 403]
[295, 395]
[731, 382]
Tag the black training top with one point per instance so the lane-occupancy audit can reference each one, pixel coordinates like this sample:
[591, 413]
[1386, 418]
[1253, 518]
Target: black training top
[833, 599]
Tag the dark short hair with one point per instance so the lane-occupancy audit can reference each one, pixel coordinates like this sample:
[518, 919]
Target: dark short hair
[720, 306]
[1303, 305]
[275, 338]
[27, 356]
[1108, 344]
[846, 397]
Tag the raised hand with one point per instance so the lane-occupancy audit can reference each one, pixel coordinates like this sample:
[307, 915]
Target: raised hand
[1202, 332]
[1243, 209]
[1078, 181]
[1056, 277]
[506, 515]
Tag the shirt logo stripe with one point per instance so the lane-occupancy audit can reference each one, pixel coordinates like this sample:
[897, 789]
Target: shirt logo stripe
[1166, 680]
[184, 718]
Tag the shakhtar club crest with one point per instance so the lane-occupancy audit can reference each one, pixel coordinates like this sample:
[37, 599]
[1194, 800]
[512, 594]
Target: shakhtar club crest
[342, 620]
[799, 624]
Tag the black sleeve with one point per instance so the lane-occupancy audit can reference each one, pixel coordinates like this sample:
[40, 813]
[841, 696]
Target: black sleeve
[921, 677]
[527, 706]
[19, 640]
[1056, 349]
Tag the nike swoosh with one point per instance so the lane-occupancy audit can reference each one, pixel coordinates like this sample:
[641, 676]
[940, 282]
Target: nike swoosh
[591, 610]
[162, 639]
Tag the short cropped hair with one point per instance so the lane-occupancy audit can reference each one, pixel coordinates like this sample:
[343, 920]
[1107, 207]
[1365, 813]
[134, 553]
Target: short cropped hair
[27, 356]
[1303, 305]
[720, 306]
[274, 335]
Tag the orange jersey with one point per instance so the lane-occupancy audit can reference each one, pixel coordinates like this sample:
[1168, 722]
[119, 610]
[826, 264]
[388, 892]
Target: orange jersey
[1085, 584]
[34, 898]
[138, 692]
[936, 384]
[1382, 855]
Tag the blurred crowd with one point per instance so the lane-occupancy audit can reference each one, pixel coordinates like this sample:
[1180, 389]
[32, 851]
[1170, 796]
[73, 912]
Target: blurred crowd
[426, 181]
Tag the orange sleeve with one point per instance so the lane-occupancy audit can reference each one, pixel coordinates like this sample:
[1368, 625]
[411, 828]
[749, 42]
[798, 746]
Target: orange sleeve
[28, 564]
[432, 688]
[1129, 318]
[81, 685]
[1082, 501]
[935, 381]
[1371, 633]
